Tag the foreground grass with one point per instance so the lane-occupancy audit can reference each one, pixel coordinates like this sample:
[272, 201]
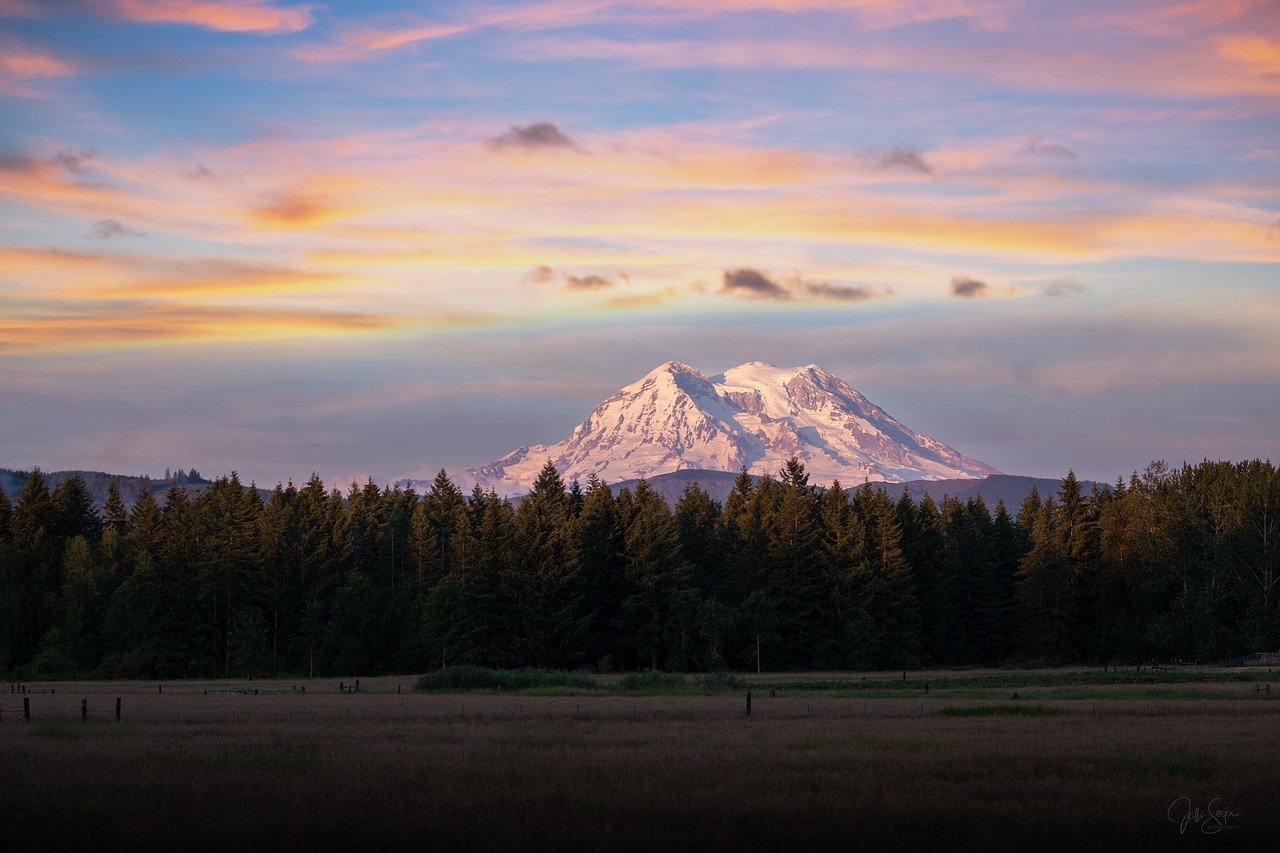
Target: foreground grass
[337, 771]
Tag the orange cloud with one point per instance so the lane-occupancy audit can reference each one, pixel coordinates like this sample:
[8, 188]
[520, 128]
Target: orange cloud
[261, 16]
[111, 274]
[54, 324]
[1259, 55]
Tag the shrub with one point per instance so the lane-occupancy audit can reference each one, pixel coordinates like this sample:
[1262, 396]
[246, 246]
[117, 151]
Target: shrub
[457, 678]
[721, 679]
[651, 681]
[525, 679]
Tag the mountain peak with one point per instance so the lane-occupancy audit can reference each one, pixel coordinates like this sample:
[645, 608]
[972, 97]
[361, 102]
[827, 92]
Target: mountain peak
[755, 416]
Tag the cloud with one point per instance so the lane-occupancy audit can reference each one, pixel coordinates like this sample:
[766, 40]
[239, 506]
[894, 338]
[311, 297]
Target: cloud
[199, 173]
[1064, 287]
[753, 284]
[357, 41]
[839, 292]
[904, 158]
[1259, 55]
[238, 16]
[74, 160]
[587, 282]
[540, 274]
[543, 274]
[105, 229]
[22, 65]
[69, 324]
[530, 137]
[968, 288]
[1039, 145]
[290, 209]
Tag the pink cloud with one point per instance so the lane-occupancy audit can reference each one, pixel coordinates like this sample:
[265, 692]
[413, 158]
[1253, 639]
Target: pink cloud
[262, 16]
[23, 66]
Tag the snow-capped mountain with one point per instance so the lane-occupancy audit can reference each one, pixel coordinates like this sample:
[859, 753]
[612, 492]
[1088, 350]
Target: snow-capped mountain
[755, 416]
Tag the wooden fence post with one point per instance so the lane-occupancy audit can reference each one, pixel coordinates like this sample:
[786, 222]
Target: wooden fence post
[84, 710]
[117, 709]
[748, 703]
[26, 709]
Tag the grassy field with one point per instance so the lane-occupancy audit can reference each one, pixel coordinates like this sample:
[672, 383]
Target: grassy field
[830, 761]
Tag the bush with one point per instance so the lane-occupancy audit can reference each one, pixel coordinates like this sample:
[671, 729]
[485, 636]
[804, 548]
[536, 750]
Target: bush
[479, 678]
[721, 679]
[651, 681]
[457, 678]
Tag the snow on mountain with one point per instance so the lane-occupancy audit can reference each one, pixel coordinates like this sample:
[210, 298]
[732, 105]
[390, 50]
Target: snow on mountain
[754, 415]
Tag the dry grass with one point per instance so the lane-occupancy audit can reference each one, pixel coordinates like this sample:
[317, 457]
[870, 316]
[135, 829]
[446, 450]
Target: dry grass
[186, 770]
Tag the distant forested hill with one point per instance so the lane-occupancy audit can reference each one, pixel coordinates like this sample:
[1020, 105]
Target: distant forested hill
[998, 487]
[130, 485]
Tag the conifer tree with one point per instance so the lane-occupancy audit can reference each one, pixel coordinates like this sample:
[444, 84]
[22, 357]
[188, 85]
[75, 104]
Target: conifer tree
[655, 570]
[928, 551]
[436, 522]
[697, 519]
[75, 511]
[795, 569]
[1046, 626]
[115, 515]
[602, 578]
[550, 630]
[6, 513]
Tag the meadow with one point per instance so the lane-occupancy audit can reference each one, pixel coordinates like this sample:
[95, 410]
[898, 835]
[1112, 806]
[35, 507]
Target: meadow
[1079, 758]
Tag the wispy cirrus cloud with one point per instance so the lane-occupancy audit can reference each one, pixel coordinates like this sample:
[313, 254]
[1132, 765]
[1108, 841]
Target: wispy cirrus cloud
[25, 67]
[236, 16]
[356, 41]
[75, 324]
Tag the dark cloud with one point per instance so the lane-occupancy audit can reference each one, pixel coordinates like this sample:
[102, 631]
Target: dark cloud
[540, 274]
[200, 173]
[1063, 287]
[756, 284]
[1050, 149]
[839, 292]
[967, 288]
[543, 134]
[105, 229]
[587, 282]
[74, 160]
[906, 158]
[753, 284]
[543, 274]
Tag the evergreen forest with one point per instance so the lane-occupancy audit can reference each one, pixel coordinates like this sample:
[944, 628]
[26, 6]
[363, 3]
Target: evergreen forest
[1172, 564]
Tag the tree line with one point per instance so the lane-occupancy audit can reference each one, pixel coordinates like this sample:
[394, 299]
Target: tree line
[781, 576]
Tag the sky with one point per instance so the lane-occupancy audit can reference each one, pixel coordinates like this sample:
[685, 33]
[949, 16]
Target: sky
[378, 239]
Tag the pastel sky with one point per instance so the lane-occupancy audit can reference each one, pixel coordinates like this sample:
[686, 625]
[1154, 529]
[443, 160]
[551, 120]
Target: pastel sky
[375, 238]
